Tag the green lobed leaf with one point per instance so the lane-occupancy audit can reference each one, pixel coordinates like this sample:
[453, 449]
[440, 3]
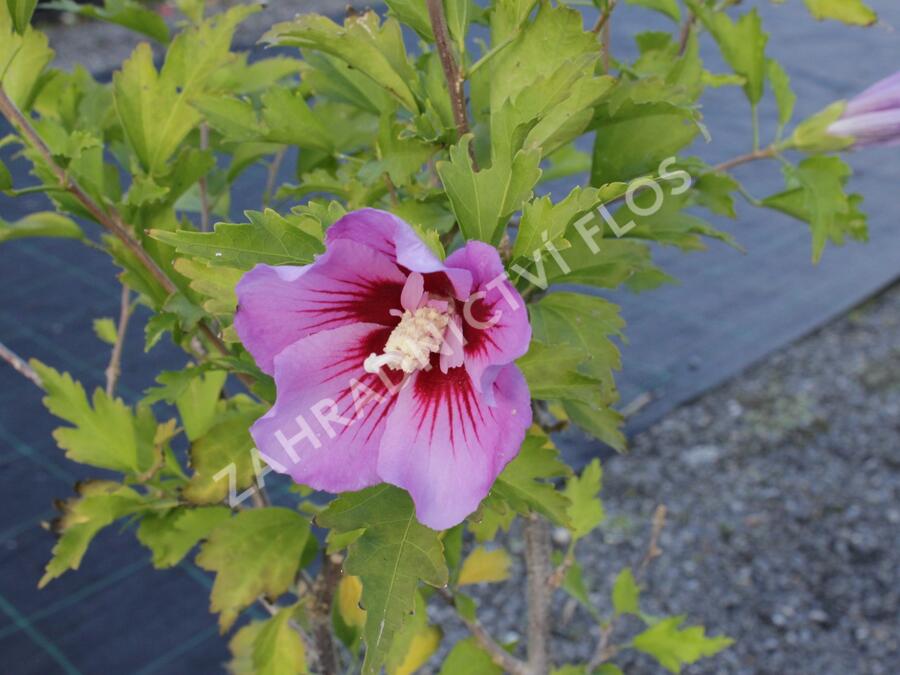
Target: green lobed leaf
[154, 116]
[636, 137]
[586, 322]
[155, 108]
[198, 403]
[267, 238]
[743, 45]
[127, 13]
[853, 12]
[6, 182]
[254, 553]
[105, 432]
[235, 118]
[390, 558]
[816, 195]
[552, 373]
[507, 17]
[784, 95]
[413, 13]
[291, 121]
[585, 507]
[625, 593]
[20, 11]
[23, 59]
[483, 200]
[539, 89]
[543, 221]
[216, 284]
[492, 516]
[105, 329]
[674, 647]
[459, 13]
[526, 482]
[40, 224]
[374, 50]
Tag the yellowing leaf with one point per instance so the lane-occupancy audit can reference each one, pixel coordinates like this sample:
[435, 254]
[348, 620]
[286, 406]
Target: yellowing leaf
[278, 648]
[97, 505]
[173, 534]
[223, 455]
[485, 566]
[349, 593]
[256, 552]
[423, 644]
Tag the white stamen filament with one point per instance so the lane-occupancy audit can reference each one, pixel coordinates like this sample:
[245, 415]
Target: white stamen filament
[411, 344]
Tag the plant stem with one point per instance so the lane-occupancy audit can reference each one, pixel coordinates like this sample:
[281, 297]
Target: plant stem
[272, 176]
[604, 650]
[498, 654]
[765, 153]
[686, 29]
[114, 369]
[325, 586]
[604, 17]
[19, 364]
[754, 115]
[536, 532]
[110, 220]
[451, 71]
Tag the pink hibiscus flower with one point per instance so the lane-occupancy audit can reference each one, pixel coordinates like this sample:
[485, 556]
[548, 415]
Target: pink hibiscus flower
[390, 365]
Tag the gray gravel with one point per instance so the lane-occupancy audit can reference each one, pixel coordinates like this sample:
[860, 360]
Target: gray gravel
[783, 494]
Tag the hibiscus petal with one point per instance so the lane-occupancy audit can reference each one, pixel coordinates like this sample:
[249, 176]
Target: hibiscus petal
[883, 95]
[350, 283]
[877, 128]
[393, 237]
[326, 425]
[495, 325]
[446, 446]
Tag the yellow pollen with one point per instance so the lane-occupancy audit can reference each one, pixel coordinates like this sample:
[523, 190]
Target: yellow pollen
[411, 344]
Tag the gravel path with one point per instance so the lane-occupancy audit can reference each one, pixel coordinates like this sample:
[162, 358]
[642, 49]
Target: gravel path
[783, 494]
